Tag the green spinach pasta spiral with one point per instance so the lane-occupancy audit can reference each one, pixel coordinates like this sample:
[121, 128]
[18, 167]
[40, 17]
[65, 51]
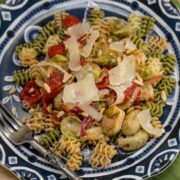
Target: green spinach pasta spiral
[22, 76]
[153, 54]
[95, 14]
[156, 109]
[41, 39]
[168, 62]
[167, 84]
[141, 24]
[147, 24]
[50, 138]
[157, 95]
[138, 41]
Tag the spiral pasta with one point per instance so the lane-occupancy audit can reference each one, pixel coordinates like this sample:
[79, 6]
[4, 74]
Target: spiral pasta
[40, 41]
[39, 123]
[141, 24]
[157, 95]
[26, 55]
[71, 148]
[51, 41]
[74, 161]
[155, 65]
[139, 42]
[167, 84]
[20, 77]
[95, 14]
[34, 72]
[25, 45]
[59, 17]
[153, 54]
[50, 138]
[156, 109]
[168, 63]
[102, 155]
[96, 19]
[156, 123]
[147, 24]
[157, 43]
[135, 21]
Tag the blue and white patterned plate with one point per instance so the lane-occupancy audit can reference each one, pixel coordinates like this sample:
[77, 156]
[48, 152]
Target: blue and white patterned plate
[21, 20]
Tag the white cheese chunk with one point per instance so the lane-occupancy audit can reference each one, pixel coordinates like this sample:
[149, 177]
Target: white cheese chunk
[123, 45]
[90, 43]
[91, 111]
[123, 72]
[74, 54]
[83, 91]
[79, 30]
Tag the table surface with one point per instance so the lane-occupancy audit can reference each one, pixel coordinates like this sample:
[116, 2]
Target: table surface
[172, 173]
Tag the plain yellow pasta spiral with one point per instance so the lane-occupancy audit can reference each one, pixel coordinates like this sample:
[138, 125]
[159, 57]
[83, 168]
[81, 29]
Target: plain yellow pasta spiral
[102, 155]
[26, 55]
[157, 43]
[74, 161]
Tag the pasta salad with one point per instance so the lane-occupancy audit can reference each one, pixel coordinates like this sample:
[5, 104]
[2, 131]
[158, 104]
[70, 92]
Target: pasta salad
[100, 82]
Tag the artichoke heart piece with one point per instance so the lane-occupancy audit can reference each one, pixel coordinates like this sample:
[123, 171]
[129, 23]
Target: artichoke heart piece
[135, 142]
[145, 122]
[105, 61]
[94, 133]
[131, 125]
[71, 126]
[113, 120]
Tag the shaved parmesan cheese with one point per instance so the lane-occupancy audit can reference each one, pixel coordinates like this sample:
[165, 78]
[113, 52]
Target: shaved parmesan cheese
[79, 30]
[123, 45]
[123, 72]
[83, 91]
[83, 72]
[129, 45]
[92, 112]
[144, 117]
[74, 55]
[90, 42]
[117, 46]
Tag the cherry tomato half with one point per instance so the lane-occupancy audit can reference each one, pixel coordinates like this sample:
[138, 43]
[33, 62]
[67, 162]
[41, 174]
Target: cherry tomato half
[55, 84]
[30, 93]
[128, 93]
[56, 49]
[70, 21]
[104, 83]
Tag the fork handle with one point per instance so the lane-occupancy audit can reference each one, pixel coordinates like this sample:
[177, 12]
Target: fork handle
[54, 161]
[57, 163]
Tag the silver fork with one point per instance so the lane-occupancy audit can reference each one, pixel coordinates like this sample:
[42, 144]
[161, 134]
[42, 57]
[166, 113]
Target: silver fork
[18, 134]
